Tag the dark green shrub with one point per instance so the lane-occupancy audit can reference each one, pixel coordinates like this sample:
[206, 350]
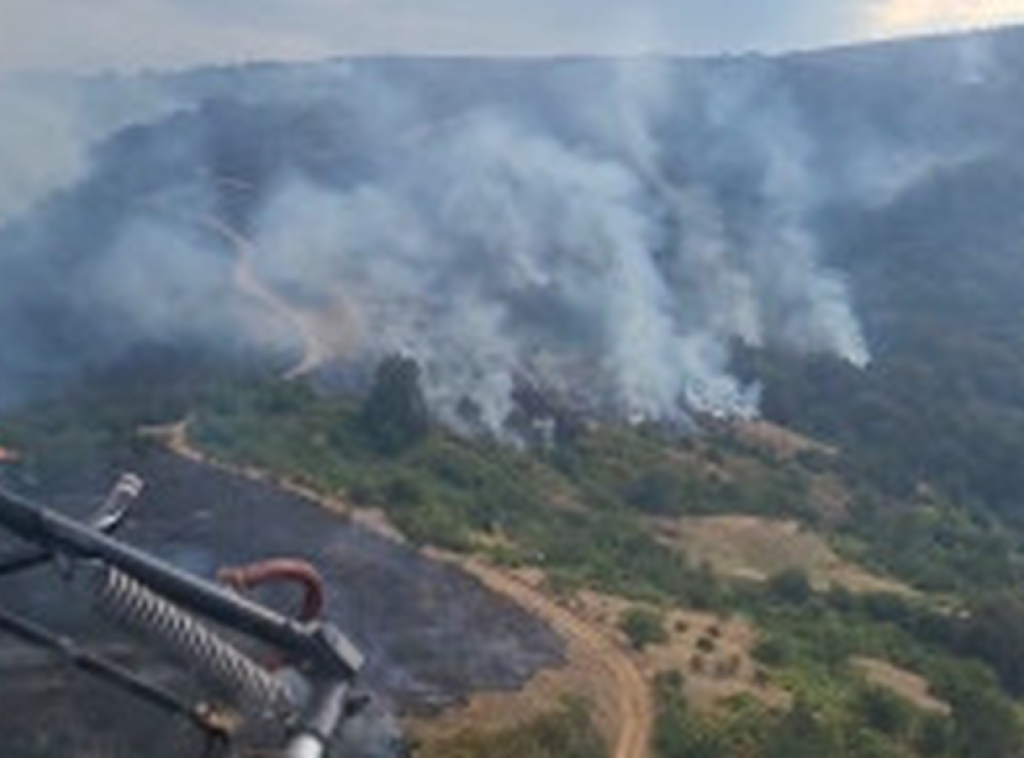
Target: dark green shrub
[643, 627]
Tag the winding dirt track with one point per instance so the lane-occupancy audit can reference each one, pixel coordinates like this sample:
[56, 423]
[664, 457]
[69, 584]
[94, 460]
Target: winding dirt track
[624, 703]
[314, 353]
[622, 696]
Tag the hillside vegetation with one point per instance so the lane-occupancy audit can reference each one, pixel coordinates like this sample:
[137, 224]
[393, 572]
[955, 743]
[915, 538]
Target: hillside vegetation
[871, 530]
[590, 510]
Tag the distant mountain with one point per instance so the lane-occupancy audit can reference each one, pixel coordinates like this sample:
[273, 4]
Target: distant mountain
[838, 232]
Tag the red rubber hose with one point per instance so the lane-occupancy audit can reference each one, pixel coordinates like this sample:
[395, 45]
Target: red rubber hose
[280, 570]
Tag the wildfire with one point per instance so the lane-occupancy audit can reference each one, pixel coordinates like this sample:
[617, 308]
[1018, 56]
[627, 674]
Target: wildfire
[9, 456]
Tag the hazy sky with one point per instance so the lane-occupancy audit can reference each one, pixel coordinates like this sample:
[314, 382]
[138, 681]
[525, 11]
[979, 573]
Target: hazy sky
[102, 34]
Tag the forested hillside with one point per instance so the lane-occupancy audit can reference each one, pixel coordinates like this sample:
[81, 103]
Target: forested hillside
[719, 364]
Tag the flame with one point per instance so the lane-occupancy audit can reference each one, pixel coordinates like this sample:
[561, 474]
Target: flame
[9, 456]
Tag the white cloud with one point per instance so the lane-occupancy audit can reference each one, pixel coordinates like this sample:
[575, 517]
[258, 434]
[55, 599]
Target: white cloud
[897, 17]
[118, 34]
[124, 34]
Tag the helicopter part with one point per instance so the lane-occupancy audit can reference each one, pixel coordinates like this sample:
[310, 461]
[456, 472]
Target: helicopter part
[34, 634]
[216, 724]
[325, 710]
[321, 646]
[172, 607]
[231, 676]
[116, 505]
[107, 518]
[280, 570]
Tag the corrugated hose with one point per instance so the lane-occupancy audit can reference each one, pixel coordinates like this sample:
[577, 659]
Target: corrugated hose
[231, 676]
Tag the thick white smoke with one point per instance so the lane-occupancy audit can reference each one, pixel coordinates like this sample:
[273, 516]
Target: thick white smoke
[605, 232]
[40, 146]
[770, 285]
[497, 253]
[49, 127]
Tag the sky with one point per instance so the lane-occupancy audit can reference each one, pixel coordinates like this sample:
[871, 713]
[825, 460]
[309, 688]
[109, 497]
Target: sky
[100, 35]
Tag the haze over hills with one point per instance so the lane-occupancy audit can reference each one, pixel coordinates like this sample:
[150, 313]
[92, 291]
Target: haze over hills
[604, 230]
[591, 255]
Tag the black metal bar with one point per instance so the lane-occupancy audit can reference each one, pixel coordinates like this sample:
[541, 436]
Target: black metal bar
[101, 668]
[24, 560]
[321, 645]
[107, 518]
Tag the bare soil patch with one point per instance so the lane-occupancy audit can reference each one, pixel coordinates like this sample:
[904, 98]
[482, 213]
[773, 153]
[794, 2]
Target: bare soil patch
[781, 441]
[913, 688]
[712, 653]
[755, 548]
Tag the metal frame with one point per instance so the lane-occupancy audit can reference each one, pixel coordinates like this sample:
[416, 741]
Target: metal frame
[318, 650]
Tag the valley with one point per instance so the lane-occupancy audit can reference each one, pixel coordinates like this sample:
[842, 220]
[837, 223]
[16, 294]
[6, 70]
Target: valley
[649, 407]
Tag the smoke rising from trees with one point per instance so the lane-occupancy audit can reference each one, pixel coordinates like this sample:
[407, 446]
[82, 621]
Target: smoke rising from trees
[603, 231]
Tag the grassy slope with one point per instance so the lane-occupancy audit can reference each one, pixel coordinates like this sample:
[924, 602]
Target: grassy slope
[582, 512]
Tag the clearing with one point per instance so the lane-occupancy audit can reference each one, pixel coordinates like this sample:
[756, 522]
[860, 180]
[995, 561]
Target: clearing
[599, 669]
[913, 688]
[755, 548]
[713, 653]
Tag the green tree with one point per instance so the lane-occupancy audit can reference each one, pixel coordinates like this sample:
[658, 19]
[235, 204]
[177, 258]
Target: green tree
[984, 722]
[884, 712]
[790, 585]
[934, 736]
[993, 631]
[643, 627]
[394, 415]
[804, 734]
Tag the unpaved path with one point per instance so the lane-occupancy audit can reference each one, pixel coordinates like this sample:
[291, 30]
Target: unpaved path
[623, 698]
[175, 438]
[621, 694]
[314, 351]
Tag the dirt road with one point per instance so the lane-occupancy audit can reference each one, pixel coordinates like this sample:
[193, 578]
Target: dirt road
[621, 694]
[314, 351]
[625, 707]
[175, 438]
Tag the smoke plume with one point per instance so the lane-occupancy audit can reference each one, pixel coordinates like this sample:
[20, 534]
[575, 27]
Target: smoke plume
[496, 253]
[605, 232]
